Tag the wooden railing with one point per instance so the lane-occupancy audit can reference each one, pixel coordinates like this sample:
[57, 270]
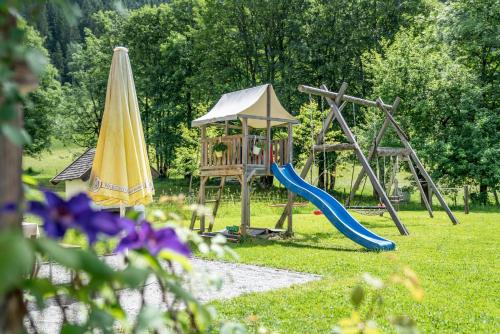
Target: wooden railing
[232, 155]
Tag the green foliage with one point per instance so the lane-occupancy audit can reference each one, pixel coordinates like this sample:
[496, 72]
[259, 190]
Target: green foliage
[92, 276]
[440, 96]
[219, 147]
[187, 154]
[470, 28]
[44, 102]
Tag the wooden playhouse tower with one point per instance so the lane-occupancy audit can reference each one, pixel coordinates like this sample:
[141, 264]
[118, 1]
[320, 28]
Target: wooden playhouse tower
[245, 149]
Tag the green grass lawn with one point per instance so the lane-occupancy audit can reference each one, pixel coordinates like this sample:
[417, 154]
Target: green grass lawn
[458, 266]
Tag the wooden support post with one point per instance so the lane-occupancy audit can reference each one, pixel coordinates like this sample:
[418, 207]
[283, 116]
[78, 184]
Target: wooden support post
[203, 180]
[372, 152]
[289, 229]
[244, 183]
[429, 193]
[217, 202]
[420, 188]
[466, 199]
[203, 134]
[333, 147]
[267, 158]
[366, 166]
[334, 95]
[432, 186]
[319, 140]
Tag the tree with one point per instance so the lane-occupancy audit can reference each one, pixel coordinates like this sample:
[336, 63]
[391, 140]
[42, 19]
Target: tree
[44, 101]
[89, 69]
[441, 107]
[471, 29]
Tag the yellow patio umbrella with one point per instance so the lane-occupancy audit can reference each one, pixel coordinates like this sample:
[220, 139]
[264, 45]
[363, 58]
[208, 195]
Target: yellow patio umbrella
[121, 174]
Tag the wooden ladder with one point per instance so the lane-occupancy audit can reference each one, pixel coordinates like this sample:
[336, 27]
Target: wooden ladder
[202, 201]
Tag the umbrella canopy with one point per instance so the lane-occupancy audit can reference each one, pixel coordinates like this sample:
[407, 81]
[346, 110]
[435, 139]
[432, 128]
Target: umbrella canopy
[120, 172]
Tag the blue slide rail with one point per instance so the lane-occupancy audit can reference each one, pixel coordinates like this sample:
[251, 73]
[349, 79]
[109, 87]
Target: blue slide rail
[335, 212]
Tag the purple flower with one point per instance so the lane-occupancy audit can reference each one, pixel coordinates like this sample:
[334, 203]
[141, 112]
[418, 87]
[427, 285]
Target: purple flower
[58, 215]
[144, 237]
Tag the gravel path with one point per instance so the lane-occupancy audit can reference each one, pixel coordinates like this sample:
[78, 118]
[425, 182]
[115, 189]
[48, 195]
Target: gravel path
[236, 279]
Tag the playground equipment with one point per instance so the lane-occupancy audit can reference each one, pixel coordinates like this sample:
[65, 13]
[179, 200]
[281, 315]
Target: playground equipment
[337, 102]
[246, 154]
[332, 209]
[259, 108]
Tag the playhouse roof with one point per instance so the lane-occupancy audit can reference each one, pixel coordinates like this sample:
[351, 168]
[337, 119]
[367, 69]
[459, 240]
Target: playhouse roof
[248, 103]
[81, 167]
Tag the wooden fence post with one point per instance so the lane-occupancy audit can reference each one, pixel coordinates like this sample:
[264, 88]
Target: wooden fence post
[466, 199]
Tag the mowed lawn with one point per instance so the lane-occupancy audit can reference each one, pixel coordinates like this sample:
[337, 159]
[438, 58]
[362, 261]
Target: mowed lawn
[458, 266]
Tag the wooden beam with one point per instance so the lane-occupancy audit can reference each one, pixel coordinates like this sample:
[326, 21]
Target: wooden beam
[423, 172]
[289, 228]
[372, 151]
[219, 194]
[392, 151]
[391, 118]
[267, 147]
[273, 119]
[319, 140]
[203, 131]
[244, 183]
[466, 199]
[202, 202]
[366, 166]
[334, 95]
[223, 125]
[334, 147]
[420, 188]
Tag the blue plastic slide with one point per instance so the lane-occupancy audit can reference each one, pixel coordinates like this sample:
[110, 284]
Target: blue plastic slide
[331, 208]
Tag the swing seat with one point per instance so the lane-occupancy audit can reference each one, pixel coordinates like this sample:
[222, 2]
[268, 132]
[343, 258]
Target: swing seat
[375, 210]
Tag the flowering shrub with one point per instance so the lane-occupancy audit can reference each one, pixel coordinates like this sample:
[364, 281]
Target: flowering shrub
[158, 254]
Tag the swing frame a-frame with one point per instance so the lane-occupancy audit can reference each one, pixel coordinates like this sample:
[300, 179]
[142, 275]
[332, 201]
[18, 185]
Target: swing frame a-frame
[337, 102]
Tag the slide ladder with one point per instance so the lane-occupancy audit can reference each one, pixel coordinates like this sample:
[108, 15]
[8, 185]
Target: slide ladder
[335, 212]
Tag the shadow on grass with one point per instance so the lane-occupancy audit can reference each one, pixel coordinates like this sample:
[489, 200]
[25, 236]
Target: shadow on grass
[309, 241]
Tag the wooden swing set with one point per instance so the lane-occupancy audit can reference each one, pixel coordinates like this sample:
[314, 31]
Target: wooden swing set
[337, 101]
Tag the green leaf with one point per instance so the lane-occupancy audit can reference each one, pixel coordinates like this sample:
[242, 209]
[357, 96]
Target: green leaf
[29, 180]
[41, 289]
[7, 111]
[16, 259]
[66, 257]
[133, 276]
[151, 318]
[176, 257]
[357, 296]
[404, 324]
[37, 61]
[133, 215]
[73, 329]
[16, 135]
[91, 264]
[233, 328]
[101, 320]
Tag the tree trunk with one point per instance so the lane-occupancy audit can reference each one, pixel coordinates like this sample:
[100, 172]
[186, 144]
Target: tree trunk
[12, 308]
[495, 194]
[483, 194]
